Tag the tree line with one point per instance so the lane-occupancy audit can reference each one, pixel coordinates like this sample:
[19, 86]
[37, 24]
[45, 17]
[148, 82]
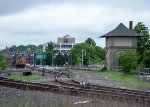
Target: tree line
[92, 54]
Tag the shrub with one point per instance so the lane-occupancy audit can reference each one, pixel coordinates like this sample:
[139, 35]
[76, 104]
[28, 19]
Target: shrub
[128, 61]
[146, 58]
[2, 62]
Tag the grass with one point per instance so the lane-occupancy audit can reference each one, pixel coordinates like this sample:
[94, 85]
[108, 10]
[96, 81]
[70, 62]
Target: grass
[46, 99]
[23, 78]
[120, 76]
[129, 80]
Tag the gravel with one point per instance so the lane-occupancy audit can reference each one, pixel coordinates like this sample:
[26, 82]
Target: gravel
[105, 81]
[10, 97]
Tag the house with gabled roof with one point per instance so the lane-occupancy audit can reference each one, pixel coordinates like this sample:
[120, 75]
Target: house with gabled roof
[119, 39]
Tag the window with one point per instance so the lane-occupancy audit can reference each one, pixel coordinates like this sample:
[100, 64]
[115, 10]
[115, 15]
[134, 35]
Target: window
[120, 41]
[65, 40]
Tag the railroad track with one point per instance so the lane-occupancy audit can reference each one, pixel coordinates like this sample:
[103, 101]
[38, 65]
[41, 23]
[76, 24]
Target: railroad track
[76, 83]
[115, 93]
[95, 91]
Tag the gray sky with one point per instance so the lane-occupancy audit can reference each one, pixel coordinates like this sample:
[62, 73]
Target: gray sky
[40, 21]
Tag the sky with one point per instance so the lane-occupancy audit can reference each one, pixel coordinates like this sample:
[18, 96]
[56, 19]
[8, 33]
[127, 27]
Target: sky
[24, 22]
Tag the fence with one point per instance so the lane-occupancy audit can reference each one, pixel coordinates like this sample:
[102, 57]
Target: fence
[144, 73]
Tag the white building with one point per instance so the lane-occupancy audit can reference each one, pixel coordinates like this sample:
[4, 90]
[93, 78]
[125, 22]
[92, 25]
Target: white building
[64, 44]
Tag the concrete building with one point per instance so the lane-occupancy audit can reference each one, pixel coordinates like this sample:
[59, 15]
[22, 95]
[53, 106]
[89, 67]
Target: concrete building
[118, 40]
[64, 44]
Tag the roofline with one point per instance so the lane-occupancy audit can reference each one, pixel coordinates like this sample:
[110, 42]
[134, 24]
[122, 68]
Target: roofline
[121, 31]
[119, 36]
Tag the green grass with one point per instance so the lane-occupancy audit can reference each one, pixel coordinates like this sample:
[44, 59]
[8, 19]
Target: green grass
[129, 80]
[120, 76]
[23, 78]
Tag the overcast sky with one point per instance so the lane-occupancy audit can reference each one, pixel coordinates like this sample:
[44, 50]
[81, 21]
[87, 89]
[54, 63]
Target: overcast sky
[40, 21]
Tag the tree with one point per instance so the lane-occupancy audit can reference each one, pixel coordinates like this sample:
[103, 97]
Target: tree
[2, 62]
[65, 58]
[91, 54]
[50, 46]
[75, 54]
[146, 58]
[90, 41]
[26, 48]
[49, 53]
[128, 61]
[13, 48]
[99, 53]
[143, 42]
[59, 60]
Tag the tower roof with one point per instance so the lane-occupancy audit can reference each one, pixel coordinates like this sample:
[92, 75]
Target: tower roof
[122, 31]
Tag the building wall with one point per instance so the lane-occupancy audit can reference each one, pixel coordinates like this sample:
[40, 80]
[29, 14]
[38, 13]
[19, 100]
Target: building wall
[64, 44]
[63, 47]
[115, 45]
[65, 40]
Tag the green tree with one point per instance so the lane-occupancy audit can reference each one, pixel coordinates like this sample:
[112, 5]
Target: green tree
[128, 61]
[31, 48]
[143, 42]
[146, 58]
[99, 54]
[65, 58]
[75, 54]
[59, 59]
[39, 49]
[2, 62]
[49, 53]
[26, 48]
[90, 41]
[13, 48]
[91, 54]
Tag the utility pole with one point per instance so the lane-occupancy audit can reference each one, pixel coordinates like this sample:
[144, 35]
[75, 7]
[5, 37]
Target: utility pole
[82, 58]
[43, 59]
[43, 65]
[52, 59]
[34, 59]
[71, 59]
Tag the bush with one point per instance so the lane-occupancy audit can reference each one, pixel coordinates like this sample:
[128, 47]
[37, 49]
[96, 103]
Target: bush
[146, 58]
[128, 61]
[2, 62]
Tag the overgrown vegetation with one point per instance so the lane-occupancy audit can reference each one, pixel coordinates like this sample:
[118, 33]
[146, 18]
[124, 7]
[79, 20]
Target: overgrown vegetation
[146, 58]
[22, 77]
[128, 61]
[143, 43]
[127, 80]
[2, 62]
